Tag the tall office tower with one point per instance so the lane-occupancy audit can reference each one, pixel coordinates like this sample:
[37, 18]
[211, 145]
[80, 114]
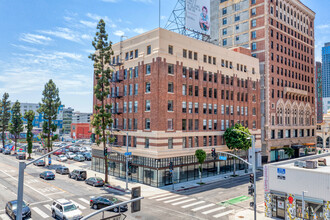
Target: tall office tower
[280, 33]
[326, 70]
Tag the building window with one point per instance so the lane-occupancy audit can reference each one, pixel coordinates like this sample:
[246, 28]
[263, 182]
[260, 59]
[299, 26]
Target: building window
[253, 34]
[184, 143]
[170, 68]
[196, 141]
[253, 2]
[204, 141]
[184, 107]
[254, 23]
[135, 106]
[196, 124]
[237, 17]
[136, 53]
[135, 124]
[136, 72]
[147, 124]
[184, 89]
[224, 11]
[170, 124]
[146, 143]
[148, 87]
[254, 46]
[224, 21]
[190, 110]
[196, 107]
[136, 88]
[224, 42]
[224, 31]
[272, 134]
[148, 49]
[253, 11]
[170, 106]
[170, 49]
[184, 124]
[190, 124]
[204, 124]
[130, 107]
[148, 69]
[147, 105]
[170, 143]
[184, 53]
[170, 87]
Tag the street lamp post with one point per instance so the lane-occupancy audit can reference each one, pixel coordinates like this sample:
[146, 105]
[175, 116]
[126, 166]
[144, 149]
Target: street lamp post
[254, 172]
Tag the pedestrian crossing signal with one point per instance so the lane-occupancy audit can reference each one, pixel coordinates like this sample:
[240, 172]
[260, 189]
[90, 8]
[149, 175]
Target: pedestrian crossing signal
[105, 152]
[136, 193]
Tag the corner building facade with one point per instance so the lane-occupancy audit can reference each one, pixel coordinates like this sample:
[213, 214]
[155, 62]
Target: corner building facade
[173, 95]
[280, 33]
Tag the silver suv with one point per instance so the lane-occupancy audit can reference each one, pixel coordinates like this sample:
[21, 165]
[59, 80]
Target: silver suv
[66, 210]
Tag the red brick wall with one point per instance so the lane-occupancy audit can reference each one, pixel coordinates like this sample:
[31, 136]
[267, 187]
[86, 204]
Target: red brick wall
[81, 130]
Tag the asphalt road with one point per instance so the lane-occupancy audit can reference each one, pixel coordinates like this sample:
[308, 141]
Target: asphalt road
[200, 203]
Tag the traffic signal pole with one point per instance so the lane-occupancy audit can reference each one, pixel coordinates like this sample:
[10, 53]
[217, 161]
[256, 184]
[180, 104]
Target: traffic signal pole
[126, 162]
[254, 176]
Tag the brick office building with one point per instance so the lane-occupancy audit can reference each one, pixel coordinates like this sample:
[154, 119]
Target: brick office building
[280, 34]
[173, 95]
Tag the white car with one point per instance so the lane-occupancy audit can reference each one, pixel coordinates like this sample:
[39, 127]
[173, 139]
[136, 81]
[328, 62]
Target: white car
[62, 158]
[64, 209]
[70, 155]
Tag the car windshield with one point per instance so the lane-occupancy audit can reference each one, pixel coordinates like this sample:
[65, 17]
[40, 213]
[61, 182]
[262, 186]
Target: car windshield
[98, 179]
[41, 161]
[69, 208]
[87, 154]
[14, 207]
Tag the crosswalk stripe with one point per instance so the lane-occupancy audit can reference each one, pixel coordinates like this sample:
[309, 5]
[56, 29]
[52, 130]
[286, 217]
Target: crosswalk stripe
[122, 197]
[4, 217]
[213, 210]
[84, 200]
[192, 204]
[77, 204]
[173, 200]
[203, 207]
[47, 206]
[178, 203]
[223, 214]
[155, 197]
[170, 197]
[39, 212]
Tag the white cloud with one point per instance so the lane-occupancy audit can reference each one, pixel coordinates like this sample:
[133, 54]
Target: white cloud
[86, 37]
[22, 47]
[89, 23]
[163, 17]
[34, 38]
[98, 17]
[64, 33]
[74, 56]
[143, 1]
[119, 33]
[139, 30]
[323, 26]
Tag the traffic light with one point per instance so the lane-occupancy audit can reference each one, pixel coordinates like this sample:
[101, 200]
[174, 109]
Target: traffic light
[252, 178]
[213, 152]
[129, 165]
[251, 204]
[171, 165]
[105, 152]
[136, 193]
[250, 190]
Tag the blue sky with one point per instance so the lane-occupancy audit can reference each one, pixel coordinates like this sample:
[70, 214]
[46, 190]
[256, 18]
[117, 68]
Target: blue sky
[43, 39]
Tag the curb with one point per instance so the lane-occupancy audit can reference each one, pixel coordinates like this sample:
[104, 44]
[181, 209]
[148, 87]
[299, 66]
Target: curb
[112, 187]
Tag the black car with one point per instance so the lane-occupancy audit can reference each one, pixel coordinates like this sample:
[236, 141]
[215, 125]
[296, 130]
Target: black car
[62, 170]
[21, 156]
[104, 201]
[78, 175]
[47, 175]
[95, 181]
[87, 155]
[6, 152]
[11, 210]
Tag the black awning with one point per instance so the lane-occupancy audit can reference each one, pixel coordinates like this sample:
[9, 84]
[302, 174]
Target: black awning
[298, 146]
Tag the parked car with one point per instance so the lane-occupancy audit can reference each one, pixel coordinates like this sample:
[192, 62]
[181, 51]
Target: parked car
[11, 210]
[79, 158]
[39, 163]
[62, 158]
[104, 201]
[74, 149]
[64, 209]
[78, 174]
[62, 170]
[47, 175]
[1, 149]
[59, 152]
[87, 155]
[7, 152]
[21, 156]
[95, 181]
[70, 155]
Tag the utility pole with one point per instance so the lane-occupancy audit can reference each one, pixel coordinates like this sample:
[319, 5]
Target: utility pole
[303, 204]
[126, 161]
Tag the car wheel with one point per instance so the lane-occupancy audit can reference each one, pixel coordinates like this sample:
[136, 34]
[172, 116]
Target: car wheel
[76, 178]
[69, 176]
[115, 209]
[95, 206]
[94, 184]
[53, 214]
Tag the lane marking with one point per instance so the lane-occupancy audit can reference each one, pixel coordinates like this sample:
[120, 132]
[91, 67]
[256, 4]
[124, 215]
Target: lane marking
[165, 198]
[35, 203]
[47, 206]
[178, 203]
[213, 210]
[155, 197]
[4, 217]
[84, 200]
[49, 194]
[77, 204]
[121, 197]
[41, 213]
[173, 200]
[203, 207]
[192, 204]
[223, 214]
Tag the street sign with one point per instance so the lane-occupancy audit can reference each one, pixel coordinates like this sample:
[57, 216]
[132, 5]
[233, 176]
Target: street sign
[128, 153]
[222, 158]
[281, 173]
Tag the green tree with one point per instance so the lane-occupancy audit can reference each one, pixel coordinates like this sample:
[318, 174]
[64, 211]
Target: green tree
[49, 105]
[4, 116]
[201, 156]
[16, 124]
[102, 75]
[289, 151]
[29, 116]
[236, 140]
